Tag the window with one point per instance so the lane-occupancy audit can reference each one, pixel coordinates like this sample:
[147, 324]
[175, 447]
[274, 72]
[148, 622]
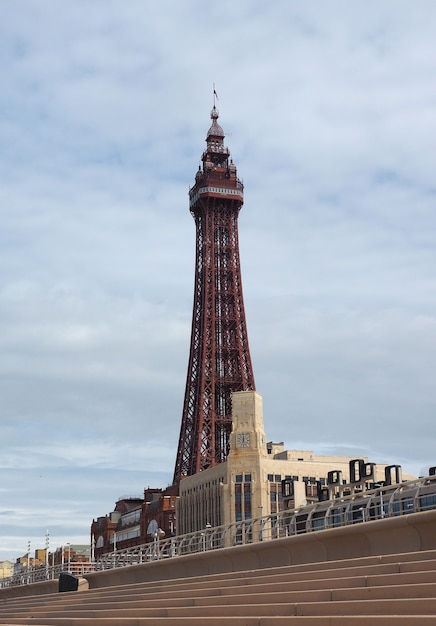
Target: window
[243, 505]
[238, 502]
[273, 496]
[428, 502]
[247, 501]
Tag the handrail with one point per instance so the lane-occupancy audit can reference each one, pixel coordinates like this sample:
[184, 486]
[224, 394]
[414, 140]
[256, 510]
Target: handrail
[380, 503]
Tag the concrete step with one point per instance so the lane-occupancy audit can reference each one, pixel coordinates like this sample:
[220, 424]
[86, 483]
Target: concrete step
[328, 620]
[428, 558]
[411, 591]
[378, 574]
[394, 607]
[376, 589]
[400, 606]
[107, 597]
[228, 578]
[427, 590]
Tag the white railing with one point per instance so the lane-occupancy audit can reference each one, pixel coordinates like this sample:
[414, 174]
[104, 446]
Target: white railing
[384, 502]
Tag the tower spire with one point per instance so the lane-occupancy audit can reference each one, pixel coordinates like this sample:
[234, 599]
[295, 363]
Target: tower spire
[219, 358]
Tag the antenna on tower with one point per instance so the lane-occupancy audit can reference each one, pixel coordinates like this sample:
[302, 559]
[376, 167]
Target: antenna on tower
[215, 95]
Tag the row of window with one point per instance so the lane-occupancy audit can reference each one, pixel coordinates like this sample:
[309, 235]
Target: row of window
[131, 518]
[277, 478]
[246, 477]
[123, 536]
[203, 486]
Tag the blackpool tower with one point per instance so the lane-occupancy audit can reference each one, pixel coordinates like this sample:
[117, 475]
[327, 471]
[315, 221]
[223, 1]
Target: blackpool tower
[219, 359]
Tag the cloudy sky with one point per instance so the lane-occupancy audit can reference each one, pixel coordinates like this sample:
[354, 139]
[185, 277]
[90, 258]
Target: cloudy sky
[329, 108]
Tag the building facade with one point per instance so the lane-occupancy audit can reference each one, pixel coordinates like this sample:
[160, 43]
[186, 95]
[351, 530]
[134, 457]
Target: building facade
[262, 478]
[6, 569]
[259, 478]
[135, 521]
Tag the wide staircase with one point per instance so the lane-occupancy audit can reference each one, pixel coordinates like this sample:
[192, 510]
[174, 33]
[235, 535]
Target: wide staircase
[391, 589]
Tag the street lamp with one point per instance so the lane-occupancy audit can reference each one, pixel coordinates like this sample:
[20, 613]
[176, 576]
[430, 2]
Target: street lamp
[92, 551]
[115, 548]
[69, 558]
[261, 524]
[382, 505]
[205, 536]
[28, 562]
[158, 534]
[47, 545]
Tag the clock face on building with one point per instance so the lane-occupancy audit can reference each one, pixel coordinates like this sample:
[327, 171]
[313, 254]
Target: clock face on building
[243, 440]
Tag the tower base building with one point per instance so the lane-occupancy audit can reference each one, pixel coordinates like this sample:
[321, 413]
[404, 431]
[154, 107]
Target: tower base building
[258, 478]
[262, 478]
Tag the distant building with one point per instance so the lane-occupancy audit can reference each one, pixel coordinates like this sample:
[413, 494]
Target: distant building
[23, 563]
[135, 520]
[70, 553]
[6, 569]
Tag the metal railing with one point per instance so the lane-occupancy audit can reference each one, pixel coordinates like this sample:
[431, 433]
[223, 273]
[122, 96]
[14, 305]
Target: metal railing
[381, 503]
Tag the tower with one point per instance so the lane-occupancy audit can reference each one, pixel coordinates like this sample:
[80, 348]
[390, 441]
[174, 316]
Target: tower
[219, 358]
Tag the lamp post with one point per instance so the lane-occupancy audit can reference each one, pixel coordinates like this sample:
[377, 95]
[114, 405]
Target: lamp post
[28, 562]
[205, 536]
[208, 534]
[92, 552]
[158, 535]
[382, 509]
[69, 558]
[47, 545]
[261, 524]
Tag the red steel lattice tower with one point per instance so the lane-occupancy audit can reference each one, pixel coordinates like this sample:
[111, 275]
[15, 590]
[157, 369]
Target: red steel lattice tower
[219, 359]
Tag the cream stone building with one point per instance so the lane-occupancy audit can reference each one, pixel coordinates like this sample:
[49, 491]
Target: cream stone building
[6, 569]
[261, 478]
